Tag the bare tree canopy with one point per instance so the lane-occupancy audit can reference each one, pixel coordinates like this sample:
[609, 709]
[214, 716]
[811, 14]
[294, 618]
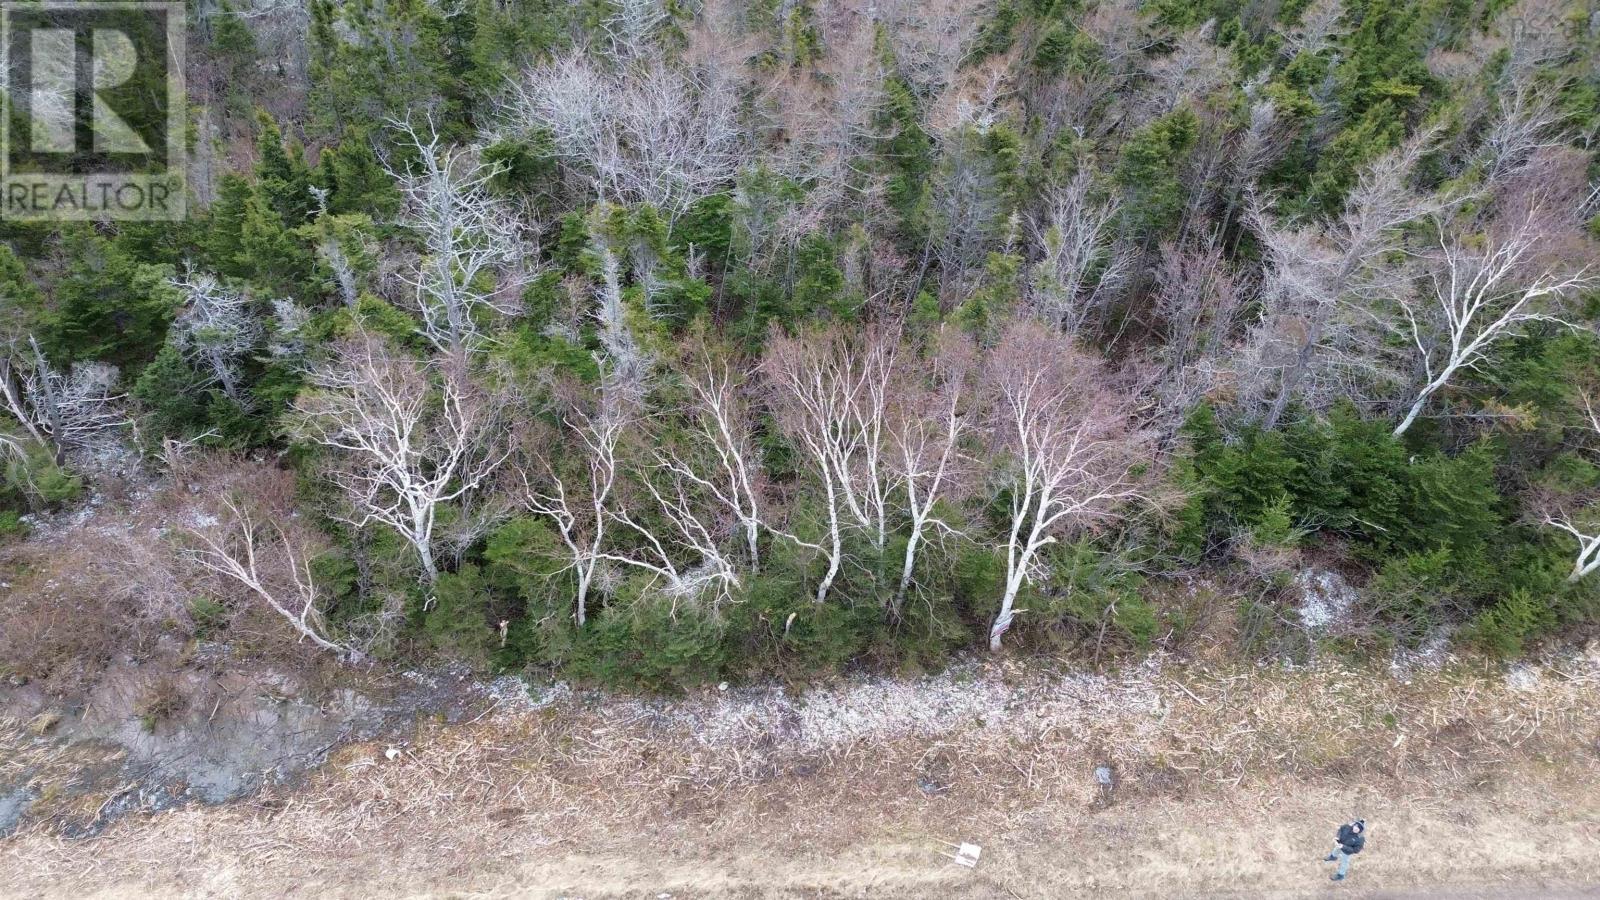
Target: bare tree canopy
[404, 437]
[1070, 447]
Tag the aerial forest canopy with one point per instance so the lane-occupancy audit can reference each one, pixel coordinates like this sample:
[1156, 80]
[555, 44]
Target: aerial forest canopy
[657, 342]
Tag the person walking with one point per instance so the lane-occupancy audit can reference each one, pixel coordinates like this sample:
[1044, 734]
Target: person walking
[1351, 838]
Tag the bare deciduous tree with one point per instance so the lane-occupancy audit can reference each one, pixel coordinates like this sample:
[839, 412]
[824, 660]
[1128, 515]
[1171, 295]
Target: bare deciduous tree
[60, 412]
[1579, 515]
[11, 448]
[577, 504]
[969, 214]
[631, 29]
[13, 377]
[1263, 141]
[1538, 37]
[928, 420]
[333, 255]
[289, 320]
[1530, 122]
[1080, 266]
[1588, 537]
[1320, 27]
[1482, 289]
[723, 462]
[1579, 521]
[628, 364]
[474, 259]
[647, 510]
[1194, 69]
[870, 481]
[649, 133]
[1311, 271]
[1122, 30]
[270, 561]
[831, 393]
[1197, 298]
[691, 531]
[930, 39]
[1070, 451]
[406, 437]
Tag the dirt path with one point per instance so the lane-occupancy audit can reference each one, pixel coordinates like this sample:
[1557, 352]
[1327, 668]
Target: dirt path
[1491, 845]
[1499, 844]
[1222, 784]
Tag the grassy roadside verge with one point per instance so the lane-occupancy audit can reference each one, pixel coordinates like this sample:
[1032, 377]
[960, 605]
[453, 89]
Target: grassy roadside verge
[1004, 754]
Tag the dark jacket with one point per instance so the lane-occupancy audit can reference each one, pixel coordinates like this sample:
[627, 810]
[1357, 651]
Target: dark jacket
[1350, 840]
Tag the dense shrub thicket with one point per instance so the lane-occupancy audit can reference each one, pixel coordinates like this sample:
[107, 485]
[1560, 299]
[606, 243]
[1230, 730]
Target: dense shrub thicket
[658, 343]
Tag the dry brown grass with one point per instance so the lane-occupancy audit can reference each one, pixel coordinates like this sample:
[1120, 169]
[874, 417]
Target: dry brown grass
[109, 577]
[541, 793]
[77, 597]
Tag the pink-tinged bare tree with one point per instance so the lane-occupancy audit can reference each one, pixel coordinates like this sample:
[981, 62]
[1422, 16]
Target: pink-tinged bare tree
[217, 329]
[1080, 264]
[474, 259]
[405, 437]
[831, 392]
[1197, 298]
[1069, 450]
[577, 501]
[1313, 272]
[928, 420]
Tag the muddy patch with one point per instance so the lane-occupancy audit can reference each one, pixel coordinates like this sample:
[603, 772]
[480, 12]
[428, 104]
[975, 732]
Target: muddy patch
[148, 738]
